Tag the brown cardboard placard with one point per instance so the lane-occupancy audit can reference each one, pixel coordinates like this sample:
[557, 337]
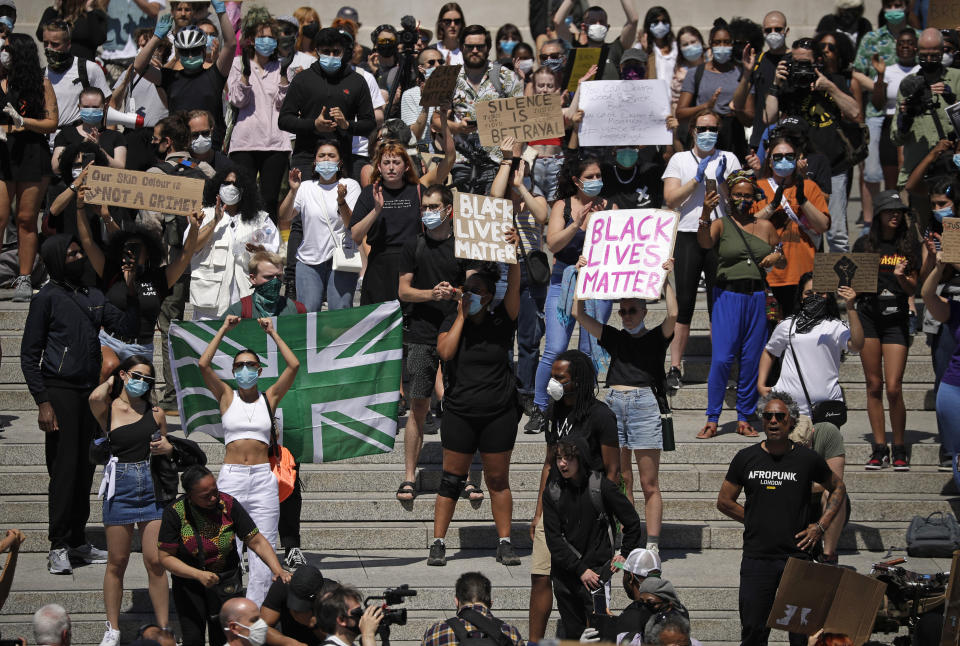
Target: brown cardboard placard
[525, 118]
[950, 636]
[857, 270]
[438, 89]
[950, 240]
[151, 191]
[479, 224]
[581, 58]
[812, 596]
[943, 14]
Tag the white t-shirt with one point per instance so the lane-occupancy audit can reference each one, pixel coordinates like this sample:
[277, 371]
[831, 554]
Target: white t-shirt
[314, 202]
[123, 18]
[300, 62]
[143, 95]
[819, 351]
[683, 166]
[456, 56]
[361, 145]
[67, 87]
[894, 74]
[665, 62]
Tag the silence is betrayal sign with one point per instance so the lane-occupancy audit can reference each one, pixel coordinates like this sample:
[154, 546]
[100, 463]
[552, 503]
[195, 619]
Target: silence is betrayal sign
[479, 226]
[151, 191]
[525, 118]
[625, 251]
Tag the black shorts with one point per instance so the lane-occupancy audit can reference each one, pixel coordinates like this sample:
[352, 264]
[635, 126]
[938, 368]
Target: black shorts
[422, 361]
[487, 433]
[891, 329]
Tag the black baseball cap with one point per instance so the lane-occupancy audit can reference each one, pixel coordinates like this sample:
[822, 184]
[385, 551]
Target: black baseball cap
[888, 201]
[350, 14]
[303, 587]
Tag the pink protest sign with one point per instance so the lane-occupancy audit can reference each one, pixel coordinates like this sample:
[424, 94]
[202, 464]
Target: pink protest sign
[625, 250]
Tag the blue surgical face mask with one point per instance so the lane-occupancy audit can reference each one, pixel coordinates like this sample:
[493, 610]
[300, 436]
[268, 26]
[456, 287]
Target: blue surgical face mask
[660, 29]
[706, 141]
[92, 116]
[784, 167]
[692, 52]
[946, 212]
[8, 21]
[722, 54]
[136, 387]
[636, 329]
[326, 169]
[506, 46]
[246, 377]
[475, 304]
[894, 16]
[433, 219]
[265, 45]
[956, 160]
[592, 187]
[329, 64]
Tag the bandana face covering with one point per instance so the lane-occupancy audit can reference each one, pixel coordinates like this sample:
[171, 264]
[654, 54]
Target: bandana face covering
[813, 309]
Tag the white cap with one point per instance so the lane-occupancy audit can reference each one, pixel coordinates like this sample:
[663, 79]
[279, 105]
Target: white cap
[849, 4]
[641, 562]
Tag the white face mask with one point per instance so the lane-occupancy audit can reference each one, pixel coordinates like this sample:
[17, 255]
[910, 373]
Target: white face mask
[597, 32]
[75, 171]
[229, 194]
[526, 65]
[258, 632]
[775, 40]
[555, 389]
[201, 144]
[5, 59]
[947, 59]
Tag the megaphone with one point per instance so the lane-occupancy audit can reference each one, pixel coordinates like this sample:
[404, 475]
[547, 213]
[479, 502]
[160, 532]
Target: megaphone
[125, 119]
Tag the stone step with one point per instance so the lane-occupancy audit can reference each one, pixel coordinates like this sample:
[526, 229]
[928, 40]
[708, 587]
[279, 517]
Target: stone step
[378, 507]
[320, 478]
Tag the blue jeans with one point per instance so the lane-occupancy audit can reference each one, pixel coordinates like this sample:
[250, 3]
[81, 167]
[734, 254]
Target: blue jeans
[319, 283]
[530, 325]
[558, 335]
[948, 403]
[838, 239]
[739, 333]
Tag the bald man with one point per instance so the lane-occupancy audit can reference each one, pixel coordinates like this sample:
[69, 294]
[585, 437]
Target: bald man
[918, 133]
[775, 32]
[241, 622]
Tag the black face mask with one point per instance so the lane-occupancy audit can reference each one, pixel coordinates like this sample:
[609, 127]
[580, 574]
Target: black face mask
[813, 309]
[930, 67]
[310, 30]
[285, 43]
[388, 50]
[58, 60]
[73, 271]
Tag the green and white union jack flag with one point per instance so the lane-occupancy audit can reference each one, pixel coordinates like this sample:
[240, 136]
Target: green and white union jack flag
[343, 403]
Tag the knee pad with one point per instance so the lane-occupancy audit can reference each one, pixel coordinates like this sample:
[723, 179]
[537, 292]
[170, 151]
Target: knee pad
[451, 485]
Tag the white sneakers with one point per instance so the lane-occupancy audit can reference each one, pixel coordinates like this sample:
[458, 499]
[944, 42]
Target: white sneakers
[88, 554]
[58, 562]
[111, 637]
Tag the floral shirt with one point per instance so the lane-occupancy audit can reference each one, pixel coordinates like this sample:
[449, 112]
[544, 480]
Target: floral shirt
[879, 41]
[217, 529]
[465, 98]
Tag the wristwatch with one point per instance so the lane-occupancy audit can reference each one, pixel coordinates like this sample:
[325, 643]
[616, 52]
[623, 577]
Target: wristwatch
[73, 187]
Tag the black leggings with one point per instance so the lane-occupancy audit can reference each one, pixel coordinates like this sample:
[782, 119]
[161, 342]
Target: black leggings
[289, 524]
[190, 600]
[270, 165]
[691, 259]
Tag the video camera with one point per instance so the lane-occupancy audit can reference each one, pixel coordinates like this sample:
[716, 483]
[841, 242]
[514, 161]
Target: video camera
[801, 74]
[390, 597]
[408, 35]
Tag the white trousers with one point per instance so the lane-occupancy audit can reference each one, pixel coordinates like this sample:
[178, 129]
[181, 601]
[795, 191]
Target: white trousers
[255, 487]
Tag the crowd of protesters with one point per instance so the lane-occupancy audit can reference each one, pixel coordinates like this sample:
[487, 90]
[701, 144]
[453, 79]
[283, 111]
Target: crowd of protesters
[327, 184]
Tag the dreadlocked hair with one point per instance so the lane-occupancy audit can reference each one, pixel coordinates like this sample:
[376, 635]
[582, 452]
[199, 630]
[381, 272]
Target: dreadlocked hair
[584, 376]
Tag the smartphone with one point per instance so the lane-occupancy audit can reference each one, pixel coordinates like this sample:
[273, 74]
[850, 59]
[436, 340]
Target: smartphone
[471, 122]
[156, 436]
[710, 186]
[936, 240]
[599, 600]
[87, 158]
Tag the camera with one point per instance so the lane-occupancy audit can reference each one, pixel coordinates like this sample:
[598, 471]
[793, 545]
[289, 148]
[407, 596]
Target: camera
[408, 35]
[801, 74]
[390, 597]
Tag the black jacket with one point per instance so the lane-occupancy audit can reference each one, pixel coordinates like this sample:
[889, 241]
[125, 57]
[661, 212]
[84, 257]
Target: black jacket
[60, 344]
[164, 469]
[576, 519]
[313, 89]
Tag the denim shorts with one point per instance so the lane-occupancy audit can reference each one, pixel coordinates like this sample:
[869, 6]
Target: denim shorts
[638, 418]
[133, 498]
[125, 350]
[546, 171]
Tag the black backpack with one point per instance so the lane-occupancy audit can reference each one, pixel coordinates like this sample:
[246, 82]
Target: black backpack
[488, 633]
[596, 499]
[174, 226]
[936, 536]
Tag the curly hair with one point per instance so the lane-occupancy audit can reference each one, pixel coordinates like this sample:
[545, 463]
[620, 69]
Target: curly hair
[73, 152]
[25, 77]
[786, 398]
[844, 50]
[250, 202]
[255, 18]
[573, 166]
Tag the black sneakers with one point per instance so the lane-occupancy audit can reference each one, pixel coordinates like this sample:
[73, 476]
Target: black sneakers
[537, 422]
[901, 462]
[879, 459]
[438, 553]
[506, 555]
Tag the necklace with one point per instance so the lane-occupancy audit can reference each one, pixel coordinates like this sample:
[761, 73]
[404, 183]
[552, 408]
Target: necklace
[620, 179]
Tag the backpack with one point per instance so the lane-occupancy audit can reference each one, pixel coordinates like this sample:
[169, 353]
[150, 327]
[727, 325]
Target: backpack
[936, 536]
[246, 307]
[596, 499]
[174, 227]
[83, 75]
[489, 633]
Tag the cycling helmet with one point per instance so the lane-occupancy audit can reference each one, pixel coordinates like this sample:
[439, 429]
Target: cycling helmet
[190, 38]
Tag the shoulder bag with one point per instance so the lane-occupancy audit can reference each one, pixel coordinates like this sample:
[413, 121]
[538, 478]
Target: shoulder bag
[346, 255]
[833, 411]
[282, 464]
[774, 313]
[538, 266]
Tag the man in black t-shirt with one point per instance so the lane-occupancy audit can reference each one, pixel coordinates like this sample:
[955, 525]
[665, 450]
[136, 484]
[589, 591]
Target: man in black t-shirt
[430, 277]
[288, 607]
[575, 409]
[776, 476]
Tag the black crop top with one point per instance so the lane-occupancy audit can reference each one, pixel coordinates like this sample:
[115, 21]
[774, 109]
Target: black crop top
[131, 442]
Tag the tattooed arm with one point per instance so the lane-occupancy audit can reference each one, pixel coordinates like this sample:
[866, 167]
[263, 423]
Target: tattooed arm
[814, 532]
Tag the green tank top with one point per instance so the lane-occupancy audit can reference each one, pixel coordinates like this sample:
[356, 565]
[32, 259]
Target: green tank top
[733, 259]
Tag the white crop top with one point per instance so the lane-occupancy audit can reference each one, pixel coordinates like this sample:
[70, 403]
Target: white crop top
[247, 421]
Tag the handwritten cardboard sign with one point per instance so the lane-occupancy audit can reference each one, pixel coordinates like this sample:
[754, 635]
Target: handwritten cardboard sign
[438, 88]
[579, 62]
[151, 191]
[625, 250]
[525, 118]
[812, 596]
[625, 113]
[856, 270]
[479, 225]
[950, 240]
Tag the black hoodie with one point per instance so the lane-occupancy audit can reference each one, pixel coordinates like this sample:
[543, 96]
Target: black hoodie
[60, 345]
[313, 89]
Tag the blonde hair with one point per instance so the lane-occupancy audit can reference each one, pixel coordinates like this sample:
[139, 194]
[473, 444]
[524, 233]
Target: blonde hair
[275, 259]
[303, 16]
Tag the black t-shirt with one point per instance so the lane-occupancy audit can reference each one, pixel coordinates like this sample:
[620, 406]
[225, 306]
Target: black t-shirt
[638, 187]
[151, 290]
[276, 600]
[823, 115]
[599, 427]
[202, 91]
[399, 220]
[818, 170]
[761, 78]
[109, 139]
[634, 361]
[480, 378]
[778, 491]
[889, 292]
[431, 262]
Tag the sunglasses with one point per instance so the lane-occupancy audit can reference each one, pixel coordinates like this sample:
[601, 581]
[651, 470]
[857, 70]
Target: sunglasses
[781, 417]
[708, 128]
[470, 48]
[476, 291]
[784, 156]
[246, 364]
[770, 30]
[551, 57]
[451, 21]
[202, 133]
[229, 182]
[433, 62]
[195, 51]
[828, 47]
[147, 378]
